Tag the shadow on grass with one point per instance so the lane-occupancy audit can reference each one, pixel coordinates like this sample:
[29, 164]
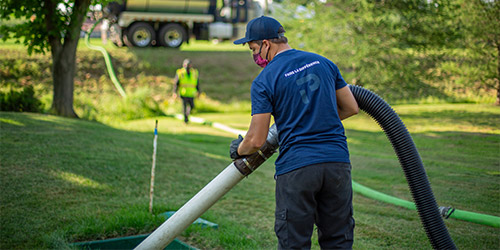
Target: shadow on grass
[476, 118]
[81, 176]
[68, 179]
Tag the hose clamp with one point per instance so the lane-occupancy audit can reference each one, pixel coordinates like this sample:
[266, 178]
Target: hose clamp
[248, 164]
[262, 154]
[446, 211]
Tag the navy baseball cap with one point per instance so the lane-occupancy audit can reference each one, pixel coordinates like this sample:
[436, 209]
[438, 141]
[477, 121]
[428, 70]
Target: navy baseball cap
[261, 28]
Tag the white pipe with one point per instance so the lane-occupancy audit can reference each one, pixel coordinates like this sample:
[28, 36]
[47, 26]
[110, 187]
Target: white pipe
[214, 124]
[193, 209]
[229, 129]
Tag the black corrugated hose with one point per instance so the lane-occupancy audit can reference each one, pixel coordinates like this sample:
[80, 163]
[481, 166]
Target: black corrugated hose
[411, 163]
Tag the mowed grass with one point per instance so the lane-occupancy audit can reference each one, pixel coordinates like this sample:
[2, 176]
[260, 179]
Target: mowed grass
[66, 180]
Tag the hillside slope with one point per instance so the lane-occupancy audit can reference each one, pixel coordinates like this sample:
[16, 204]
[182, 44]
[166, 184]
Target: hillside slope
[66, 180]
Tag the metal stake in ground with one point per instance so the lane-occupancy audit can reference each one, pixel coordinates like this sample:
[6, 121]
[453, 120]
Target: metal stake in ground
[151, 190]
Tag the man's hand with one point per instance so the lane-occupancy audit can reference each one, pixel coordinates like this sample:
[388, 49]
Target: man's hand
[233, 148]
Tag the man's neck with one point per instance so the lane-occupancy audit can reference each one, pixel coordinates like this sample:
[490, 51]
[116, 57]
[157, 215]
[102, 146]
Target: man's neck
[282, 47]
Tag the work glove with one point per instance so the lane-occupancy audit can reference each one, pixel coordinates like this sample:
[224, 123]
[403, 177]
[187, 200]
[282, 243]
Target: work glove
[233, 148]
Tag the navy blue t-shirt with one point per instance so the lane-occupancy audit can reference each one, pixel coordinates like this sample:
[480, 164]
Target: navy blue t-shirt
[298, 89]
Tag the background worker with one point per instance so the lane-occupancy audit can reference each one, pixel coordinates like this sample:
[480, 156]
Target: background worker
[308, 98]
[188, 84]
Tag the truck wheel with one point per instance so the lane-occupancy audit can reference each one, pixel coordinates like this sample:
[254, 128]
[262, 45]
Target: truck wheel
[172, 35]
[141, 35]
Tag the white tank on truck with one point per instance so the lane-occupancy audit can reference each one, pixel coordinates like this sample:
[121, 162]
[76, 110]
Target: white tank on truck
[170, 23]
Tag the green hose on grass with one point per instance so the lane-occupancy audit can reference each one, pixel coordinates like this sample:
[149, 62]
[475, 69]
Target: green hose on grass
[483, 219]
[107, 59]
[446, 212]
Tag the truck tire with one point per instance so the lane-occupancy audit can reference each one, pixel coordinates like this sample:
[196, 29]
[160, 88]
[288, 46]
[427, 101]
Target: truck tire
[141, 35]
[172, 35]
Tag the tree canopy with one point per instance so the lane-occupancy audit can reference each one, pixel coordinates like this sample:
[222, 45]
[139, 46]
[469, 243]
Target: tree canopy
[402, 46]
[49, 25]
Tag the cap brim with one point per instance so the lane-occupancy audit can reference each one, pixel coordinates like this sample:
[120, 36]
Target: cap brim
[242, 41]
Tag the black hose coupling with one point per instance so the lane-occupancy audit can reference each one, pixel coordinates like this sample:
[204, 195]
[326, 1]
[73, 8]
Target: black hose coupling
[249, 163]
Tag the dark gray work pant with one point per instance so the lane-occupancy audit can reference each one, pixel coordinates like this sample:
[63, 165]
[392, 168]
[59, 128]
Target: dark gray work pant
[188, 105]
[318, 194]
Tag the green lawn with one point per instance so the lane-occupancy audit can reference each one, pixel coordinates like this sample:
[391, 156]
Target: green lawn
[66, 180]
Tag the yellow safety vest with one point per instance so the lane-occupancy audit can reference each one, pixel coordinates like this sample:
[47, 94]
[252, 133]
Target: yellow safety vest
[187, 83]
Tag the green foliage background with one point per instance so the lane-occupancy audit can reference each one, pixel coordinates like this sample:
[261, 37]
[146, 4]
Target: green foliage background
[407, 51]
[68, 180]
[410, 51]
[26, 21]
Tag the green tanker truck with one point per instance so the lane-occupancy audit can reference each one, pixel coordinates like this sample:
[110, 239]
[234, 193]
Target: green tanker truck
[169, 23]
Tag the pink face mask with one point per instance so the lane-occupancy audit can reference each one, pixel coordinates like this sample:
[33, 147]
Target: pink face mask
[258, 59]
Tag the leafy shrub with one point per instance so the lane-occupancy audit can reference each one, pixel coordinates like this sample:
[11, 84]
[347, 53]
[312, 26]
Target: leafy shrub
[138, 104]
[20, 101]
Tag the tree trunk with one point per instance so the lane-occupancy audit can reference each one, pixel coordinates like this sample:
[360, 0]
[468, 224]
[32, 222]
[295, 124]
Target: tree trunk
[63, 73]
[498, 76]
[64, 54]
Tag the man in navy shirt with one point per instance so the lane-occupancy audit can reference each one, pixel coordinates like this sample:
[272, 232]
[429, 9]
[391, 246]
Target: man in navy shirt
[308, 98]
